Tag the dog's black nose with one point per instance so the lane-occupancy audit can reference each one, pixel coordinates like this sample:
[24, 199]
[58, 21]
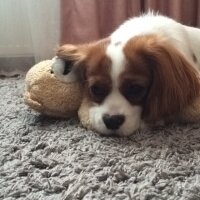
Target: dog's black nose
[113, 122]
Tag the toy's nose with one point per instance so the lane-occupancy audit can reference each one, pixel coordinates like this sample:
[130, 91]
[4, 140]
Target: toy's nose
[113, 122]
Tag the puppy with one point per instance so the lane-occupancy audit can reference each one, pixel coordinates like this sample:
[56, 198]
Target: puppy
[145, 71]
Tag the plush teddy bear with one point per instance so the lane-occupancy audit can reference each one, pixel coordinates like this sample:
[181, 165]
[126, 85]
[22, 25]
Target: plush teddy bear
[51, 96]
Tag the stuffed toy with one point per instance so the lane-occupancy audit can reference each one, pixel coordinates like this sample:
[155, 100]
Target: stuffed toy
[51, 96]
[48, 95]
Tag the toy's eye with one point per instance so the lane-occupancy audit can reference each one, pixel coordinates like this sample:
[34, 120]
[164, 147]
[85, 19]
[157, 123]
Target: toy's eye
[98, 92]
[68, 64]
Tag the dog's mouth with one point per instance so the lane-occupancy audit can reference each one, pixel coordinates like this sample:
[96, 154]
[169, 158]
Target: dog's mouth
[114, 134]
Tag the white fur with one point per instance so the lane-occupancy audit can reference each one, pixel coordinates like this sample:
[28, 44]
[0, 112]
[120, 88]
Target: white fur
[115, 53]
[58, 67]
[186, 39]
[116, 104]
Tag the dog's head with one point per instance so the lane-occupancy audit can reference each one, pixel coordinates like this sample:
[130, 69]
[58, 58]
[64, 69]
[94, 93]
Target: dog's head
[127, 84]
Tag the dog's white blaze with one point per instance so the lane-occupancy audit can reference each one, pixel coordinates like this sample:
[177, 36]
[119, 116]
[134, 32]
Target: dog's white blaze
[115, 53]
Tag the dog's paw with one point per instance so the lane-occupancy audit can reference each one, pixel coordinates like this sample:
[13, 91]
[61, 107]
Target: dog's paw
[63, 70]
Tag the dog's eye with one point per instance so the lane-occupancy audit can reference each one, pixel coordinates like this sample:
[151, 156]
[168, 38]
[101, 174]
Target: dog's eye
[134, 91]
[98, 92]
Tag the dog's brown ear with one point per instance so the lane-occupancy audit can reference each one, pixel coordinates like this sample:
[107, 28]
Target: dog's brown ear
[74, 57]
[79, 57]
[175, 81]
[77, 53]
[73, 53]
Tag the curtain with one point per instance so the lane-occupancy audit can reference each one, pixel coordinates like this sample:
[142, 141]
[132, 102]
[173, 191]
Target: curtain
[87, 20]
[30, 30]
[29, 33]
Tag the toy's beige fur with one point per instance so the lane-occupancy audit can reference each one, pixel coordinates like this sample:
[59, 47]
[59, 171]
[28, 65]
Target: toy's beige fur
[48, 95]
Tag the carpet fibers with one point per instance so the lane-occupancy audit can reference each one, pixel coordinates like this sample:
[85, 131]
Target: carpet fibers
[45, 158]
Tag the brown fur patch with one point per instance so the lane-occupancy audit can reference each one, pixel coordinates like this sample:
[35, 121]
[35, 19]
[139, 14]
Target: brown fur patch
[174, 82]
[97, 70]
[136, 73]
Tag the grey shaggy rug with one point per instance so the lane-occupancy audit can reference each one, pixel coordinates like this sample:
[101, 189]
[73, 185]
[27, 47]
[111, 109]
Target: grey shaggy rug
[45, 158]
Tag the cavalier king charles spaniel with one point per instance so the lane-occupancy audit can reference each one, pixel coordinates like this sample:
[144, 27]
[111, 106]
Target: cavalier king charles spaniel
[144, 72]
